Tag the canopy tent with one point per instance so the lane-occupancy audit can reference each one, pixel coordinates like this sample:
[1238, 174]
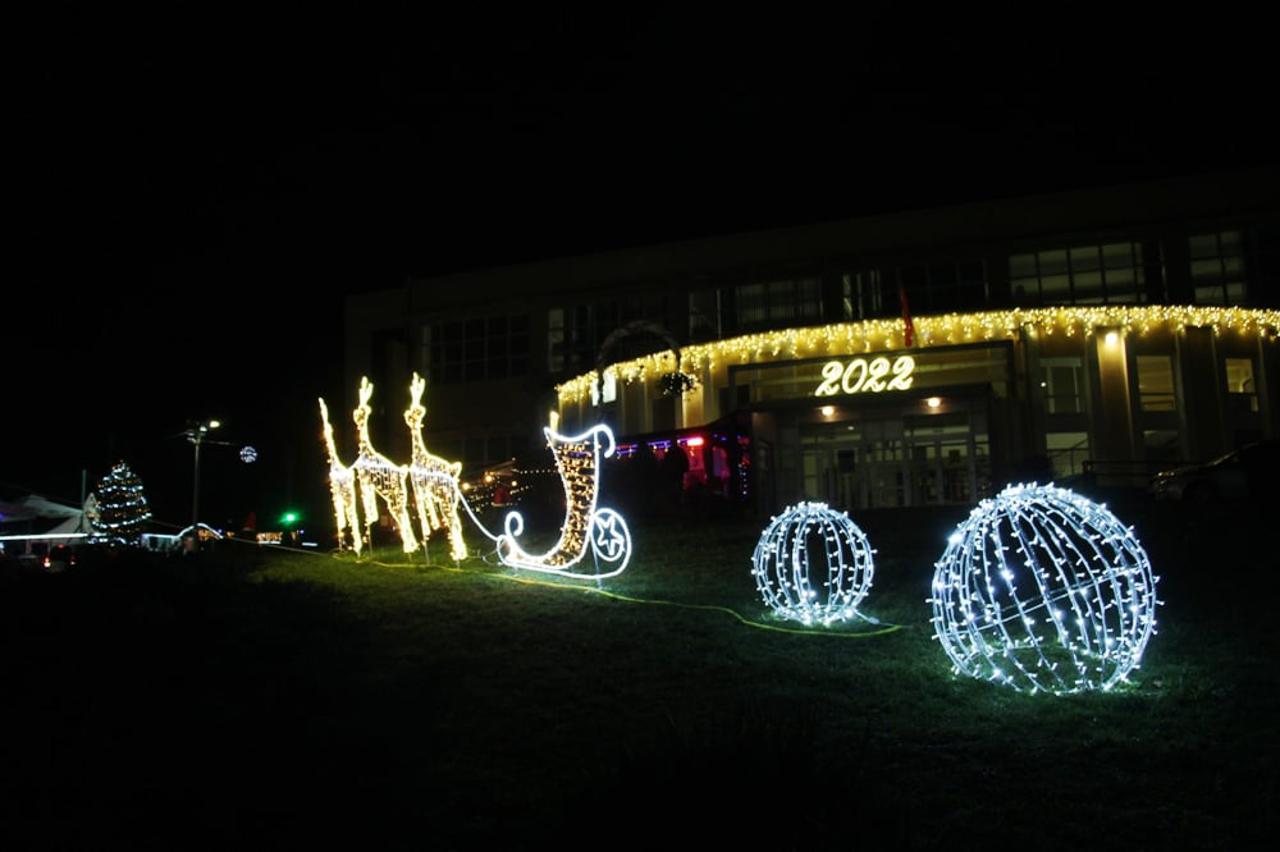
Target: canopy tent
[32, 514]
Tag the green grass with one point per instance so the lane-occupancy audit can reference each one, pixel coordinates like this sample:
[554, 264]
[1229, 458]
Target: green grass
[272, 696]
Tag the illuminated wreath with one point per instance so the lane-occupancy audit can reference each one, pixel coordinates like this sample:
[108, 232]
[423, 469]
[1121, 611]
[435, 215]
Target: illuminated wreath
[1042, 589]
[783, 559]
[677, 383]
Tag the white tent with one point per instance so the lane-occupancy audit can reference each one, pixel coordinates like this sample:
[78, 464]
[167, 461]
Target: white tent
[36, 515]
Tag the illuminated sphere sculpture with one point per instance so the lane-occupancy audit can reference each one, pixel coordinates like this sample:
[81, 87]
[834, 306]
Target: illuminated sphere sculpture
[790, 582]
[1042, 589]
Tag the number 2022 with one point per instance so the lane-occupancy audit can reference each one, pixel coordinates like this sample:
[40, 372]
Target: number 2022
[861, 376]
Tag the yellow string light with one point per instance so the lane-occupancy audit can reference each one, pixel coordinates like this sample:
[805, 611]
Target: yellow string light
[435, 480]
[941, 330]
[378, 476]
[342, 486]
[586, 526]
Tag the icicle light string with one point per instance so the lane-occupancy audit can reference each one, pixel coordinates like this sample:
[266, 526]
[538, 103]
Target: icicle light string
[855, 338]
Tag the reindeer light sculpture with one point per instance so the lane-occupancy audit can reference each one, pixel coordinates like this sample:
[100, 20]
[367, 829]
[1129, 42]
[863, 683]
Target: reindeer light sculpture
[342, 486]
[378, 476]
[435, 480]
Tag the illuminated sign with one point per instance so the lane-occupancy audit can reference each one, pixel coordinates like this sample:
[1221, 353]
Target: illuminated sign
[859, 375]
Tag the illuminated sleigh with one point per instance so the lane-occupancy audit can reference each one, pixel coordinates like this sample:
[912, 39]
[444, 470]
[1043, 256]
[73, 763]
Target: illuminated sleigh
[587, 527]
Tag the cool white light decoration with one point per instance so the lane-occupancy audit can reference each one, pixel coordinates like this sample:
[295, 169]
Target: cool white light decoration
[781, 564]
[248, 455]
[1042, 589]
[586, 526]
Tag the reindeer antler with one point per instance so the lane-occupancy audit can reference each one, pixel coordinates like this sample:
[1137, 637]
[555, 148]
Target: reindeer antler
[366, 391]
[416, 388]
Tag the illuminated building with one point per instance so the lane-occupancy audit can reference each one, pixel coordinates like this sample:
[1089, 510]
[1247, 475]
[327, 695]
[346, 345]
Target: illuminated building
[1112, 330]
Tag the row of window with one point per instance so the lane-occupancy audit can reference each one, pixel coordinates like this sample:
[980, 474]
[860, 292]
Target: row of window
[498, 347]
[494, 347]
[575, 334]
[1063, 386]
[1084, 275]
[481, 451]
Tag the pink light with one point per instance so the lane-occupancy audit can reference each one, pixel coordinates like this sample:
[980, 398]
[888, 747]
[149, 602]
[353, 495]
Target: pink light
[695, 441]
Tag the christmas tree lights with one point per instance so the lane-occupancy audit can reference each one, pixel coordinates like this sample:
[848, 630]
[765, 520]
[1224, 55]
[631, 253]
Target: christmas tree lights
[121, 505]
[435, 480]
[587, 527]
[782, 566]
[377, 476]
[342, 488]
[1044, 590]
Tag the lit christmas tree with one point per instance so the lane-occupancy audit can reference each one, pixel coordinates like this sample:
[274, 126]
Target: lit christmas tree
[122, 507]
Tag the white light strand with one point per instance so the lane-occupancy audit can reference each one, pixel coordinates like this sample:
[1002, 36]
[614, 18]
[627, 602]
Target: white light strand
[781, 565]
[121, 505]
[1044, 590]
[586, 527]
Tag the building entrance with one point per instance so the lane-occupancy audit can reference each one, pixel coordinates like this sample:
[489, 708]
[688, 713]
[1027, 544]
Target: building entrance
[913, 461]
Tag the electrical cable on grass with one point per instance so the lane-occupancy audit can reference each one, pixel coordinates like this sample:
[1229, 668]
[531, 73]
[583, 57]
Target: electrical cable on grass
[885, 629]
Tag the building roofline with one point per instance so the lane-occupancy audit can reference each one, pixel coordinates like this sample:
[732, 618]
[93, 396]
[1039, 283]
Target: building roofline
[1262, 183]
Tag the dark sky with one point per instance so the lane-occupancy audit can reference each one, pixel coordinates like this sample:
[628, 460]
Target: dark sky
[194, 207]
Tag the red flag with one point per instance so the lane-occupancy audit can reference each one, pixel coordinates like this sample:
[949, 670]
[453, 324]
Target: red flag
[908, 328]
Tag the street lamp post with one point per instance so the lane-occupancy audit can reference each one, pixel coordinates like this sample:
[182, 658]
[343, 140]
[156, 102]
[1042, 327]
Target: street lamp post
[197, 435]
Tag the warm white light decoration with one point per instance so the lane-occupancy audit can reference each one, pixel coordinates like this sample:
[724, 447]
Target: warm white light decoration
[861, 375]
[342, 487]
[378, 476]
[864, 337]
[781, 564]
[586, 526]
[435, 480]
[1042, 589]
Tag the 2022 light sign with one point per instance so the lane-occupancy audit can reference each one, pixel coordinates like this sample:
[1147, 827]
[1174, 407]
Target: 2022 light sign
[862, 376]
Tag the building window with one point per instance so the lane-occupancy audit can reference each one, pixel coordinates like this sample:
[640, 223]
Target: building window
[1067, 452]
[1155, 383]
[479, 451]
[862, 295]
[575, 333]
[1217, 268]
[1085, 275]
[1241, 389]
[704, 315]
[1062, 380]
[477, 349]
[776, 303]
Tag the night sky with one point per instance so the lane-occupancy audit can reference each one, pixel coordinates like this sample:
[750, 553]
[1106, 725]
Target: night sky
[192, 208]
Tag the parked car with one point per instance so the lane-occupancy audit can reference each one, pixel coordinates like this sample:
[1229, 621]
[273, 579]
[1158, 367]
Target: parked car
[1249, 473]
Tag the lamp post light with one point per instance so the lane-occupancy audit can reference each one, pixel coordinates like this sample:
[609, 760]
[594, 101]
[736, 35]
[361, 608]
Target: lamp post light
[197, 434]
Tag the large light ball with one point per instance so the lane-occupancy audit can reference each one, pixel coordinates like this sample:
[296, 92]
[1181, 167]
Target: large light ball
[813, 565]
[1042, 589]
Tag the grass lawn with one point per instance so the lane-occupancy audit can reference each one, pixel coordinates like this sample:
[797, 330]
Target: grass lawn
[247, 697]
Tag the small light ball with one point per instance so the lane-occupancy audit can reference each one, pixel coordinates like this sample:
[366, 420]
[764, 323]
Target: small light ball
[248, 455]
[813, 565]
[1044, 590]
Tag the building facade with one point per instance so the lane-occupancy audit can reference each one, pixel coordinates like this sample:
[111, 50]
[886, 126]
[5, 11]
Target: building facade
[1118, 328]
